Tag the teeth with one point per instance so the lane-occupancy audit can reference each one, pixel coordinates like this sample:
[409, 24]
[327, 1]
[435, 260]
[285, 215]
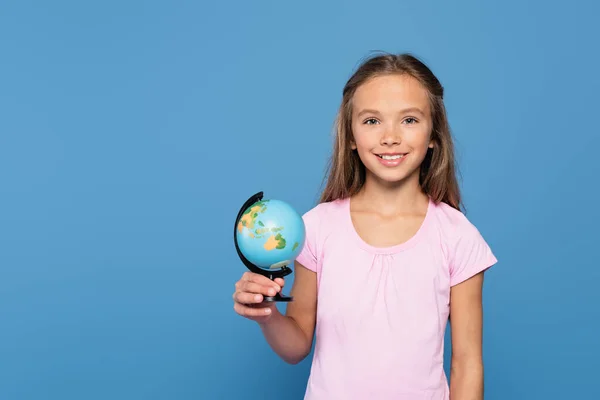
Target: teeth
[392, 157]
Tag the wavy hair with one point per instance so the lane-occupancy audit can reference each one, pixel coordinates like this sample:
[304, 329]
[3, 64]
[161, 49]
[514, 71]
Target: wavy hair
[437, 175]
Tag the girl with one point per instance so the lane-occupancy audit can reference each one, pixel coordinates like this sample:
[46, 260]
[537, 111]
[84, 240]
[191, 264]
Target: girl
[389, 255]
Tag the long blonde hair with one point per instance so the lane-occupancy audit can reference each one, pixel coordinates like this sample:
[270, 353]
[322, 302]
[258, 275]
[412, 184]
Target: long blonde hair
[437, 176]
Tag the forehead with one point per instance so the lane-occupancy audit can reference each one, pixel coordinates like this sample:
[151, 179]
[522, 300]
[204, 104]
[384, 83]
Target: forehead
[390, 92]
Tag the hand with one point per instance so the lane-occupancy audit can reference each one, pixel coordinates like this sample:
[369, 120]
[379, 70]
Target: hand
[249, 294]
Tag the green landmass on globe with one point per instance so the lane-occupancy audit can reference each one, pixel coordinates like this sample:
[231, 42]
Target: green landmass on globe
[251, 220]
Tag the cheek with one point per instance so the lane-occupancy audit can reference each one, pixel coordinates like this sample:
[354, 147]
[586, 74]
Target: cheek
[418, 138]
[361, 142]
[365, 140]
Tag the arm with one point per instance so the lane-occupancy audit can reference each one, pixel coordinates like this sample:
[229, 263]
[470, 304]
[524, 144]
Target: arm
[466, 316]
[291, 335]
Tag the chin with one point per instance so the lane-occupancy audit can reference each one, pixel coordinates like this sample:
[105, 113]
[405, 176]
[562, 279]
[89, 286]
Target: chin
[389, 179]
[393, 177]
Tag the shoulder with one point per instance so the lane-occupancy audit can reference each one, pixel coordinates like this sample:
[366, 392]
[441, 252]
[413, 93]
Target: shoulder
[324, 220]
[319, 222]
[467, 251]
[325, 214]
[454, 223]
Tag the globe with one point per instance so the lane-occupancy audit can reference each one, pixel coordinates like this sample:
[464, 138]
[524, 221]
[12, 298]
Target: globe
[270, 234]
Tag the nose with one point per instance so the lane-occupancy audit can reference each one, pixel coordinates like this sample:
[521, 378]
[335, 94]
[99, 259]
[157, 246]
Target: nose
[391, 137]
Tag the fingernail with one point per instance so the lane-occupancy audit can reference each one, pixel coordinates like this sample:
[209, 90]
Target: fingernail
[271, 292]
[257, 297]
[267, 311]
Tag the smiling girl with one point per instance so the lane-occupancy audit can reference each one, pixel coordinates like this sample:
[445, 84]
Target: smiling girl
[389, 256]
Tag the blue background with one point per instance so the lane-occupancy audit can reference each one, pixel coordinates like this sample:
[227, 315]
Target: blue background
[128, 142]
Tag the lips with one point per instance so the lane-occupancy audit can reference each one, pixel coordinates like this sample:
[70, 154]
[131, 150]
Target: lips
[392, 156]
[391, 159]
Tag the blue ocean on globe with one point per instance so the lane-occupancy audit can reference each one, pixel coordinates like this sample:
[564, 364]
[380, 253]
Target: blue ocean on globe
[270, 234]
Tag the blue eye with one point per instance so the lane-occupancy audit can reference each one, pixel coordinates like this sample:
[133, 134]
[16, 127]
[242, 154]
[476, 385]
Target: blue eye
[414, 121]
[370, 121]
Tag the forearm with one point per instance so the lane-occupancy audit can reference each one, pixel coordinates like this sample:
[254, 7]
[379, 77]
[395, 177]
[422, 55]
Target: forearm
[466, 380]
[286, 338]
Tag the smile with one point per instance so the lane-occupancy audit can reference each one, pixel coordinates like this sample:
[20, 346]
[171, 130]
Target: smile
[391, 159]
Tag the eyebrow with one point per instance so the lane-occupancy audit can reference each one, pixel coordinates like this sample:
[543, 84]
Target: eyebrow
[404, 111]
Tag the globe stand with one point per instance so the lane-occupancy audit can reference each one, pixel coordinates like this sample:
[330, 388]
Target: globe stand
[272, 275]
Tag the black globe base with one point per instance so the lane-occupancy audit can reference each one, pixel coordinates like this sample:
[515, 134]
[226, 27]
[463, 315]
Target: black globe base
[277, 298]
[277, 274]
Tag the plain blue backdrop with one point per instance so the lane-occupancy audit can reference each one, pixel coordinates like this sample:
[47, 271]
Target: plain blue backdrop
[131, 132]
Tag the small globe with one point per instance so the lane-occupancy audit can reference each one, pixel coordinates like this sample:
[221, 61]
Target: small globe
[270, 234]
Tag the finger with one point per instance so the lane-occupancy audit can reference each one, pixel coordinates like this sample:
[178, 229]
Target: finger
[267, 290]
[262, 280]
[250, 312]
[280, 282]
[247, 276]
[247, 298]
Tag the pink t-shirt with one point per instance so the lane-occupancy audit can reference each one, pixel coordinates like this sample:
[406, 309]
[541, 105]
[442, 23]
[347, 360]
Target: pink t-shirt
[382, 312]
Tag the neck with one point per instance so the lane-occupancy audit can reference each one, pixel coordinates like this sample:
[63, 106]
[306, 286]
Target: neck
[404, 196]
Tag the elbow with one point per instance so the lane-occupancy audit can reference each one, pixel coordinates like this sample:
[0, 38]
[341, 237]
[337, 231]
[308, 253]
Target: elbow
[294, 360]
[297, 358]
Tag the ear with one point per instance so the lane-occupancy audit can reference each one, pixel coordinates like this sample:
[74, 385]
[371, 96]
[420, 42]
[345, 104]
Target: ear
[431, 143]
[352, 145]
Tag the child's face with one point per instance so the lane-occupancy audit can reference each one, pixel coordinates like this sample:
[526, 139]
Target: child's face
[391, 126]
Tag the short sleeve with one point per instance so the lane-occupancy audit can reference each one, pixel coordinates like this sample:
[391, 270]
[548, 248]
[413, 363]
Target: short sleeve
[470, 254]
[308, 255]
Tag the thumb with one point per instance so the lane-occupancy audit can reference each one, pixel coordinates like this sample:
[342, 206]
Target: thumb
[279, 281]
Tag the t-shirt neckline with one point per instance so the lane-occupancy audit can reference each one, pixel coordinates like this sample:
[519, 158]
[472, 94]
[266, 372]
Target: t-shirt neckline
[388, 249]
